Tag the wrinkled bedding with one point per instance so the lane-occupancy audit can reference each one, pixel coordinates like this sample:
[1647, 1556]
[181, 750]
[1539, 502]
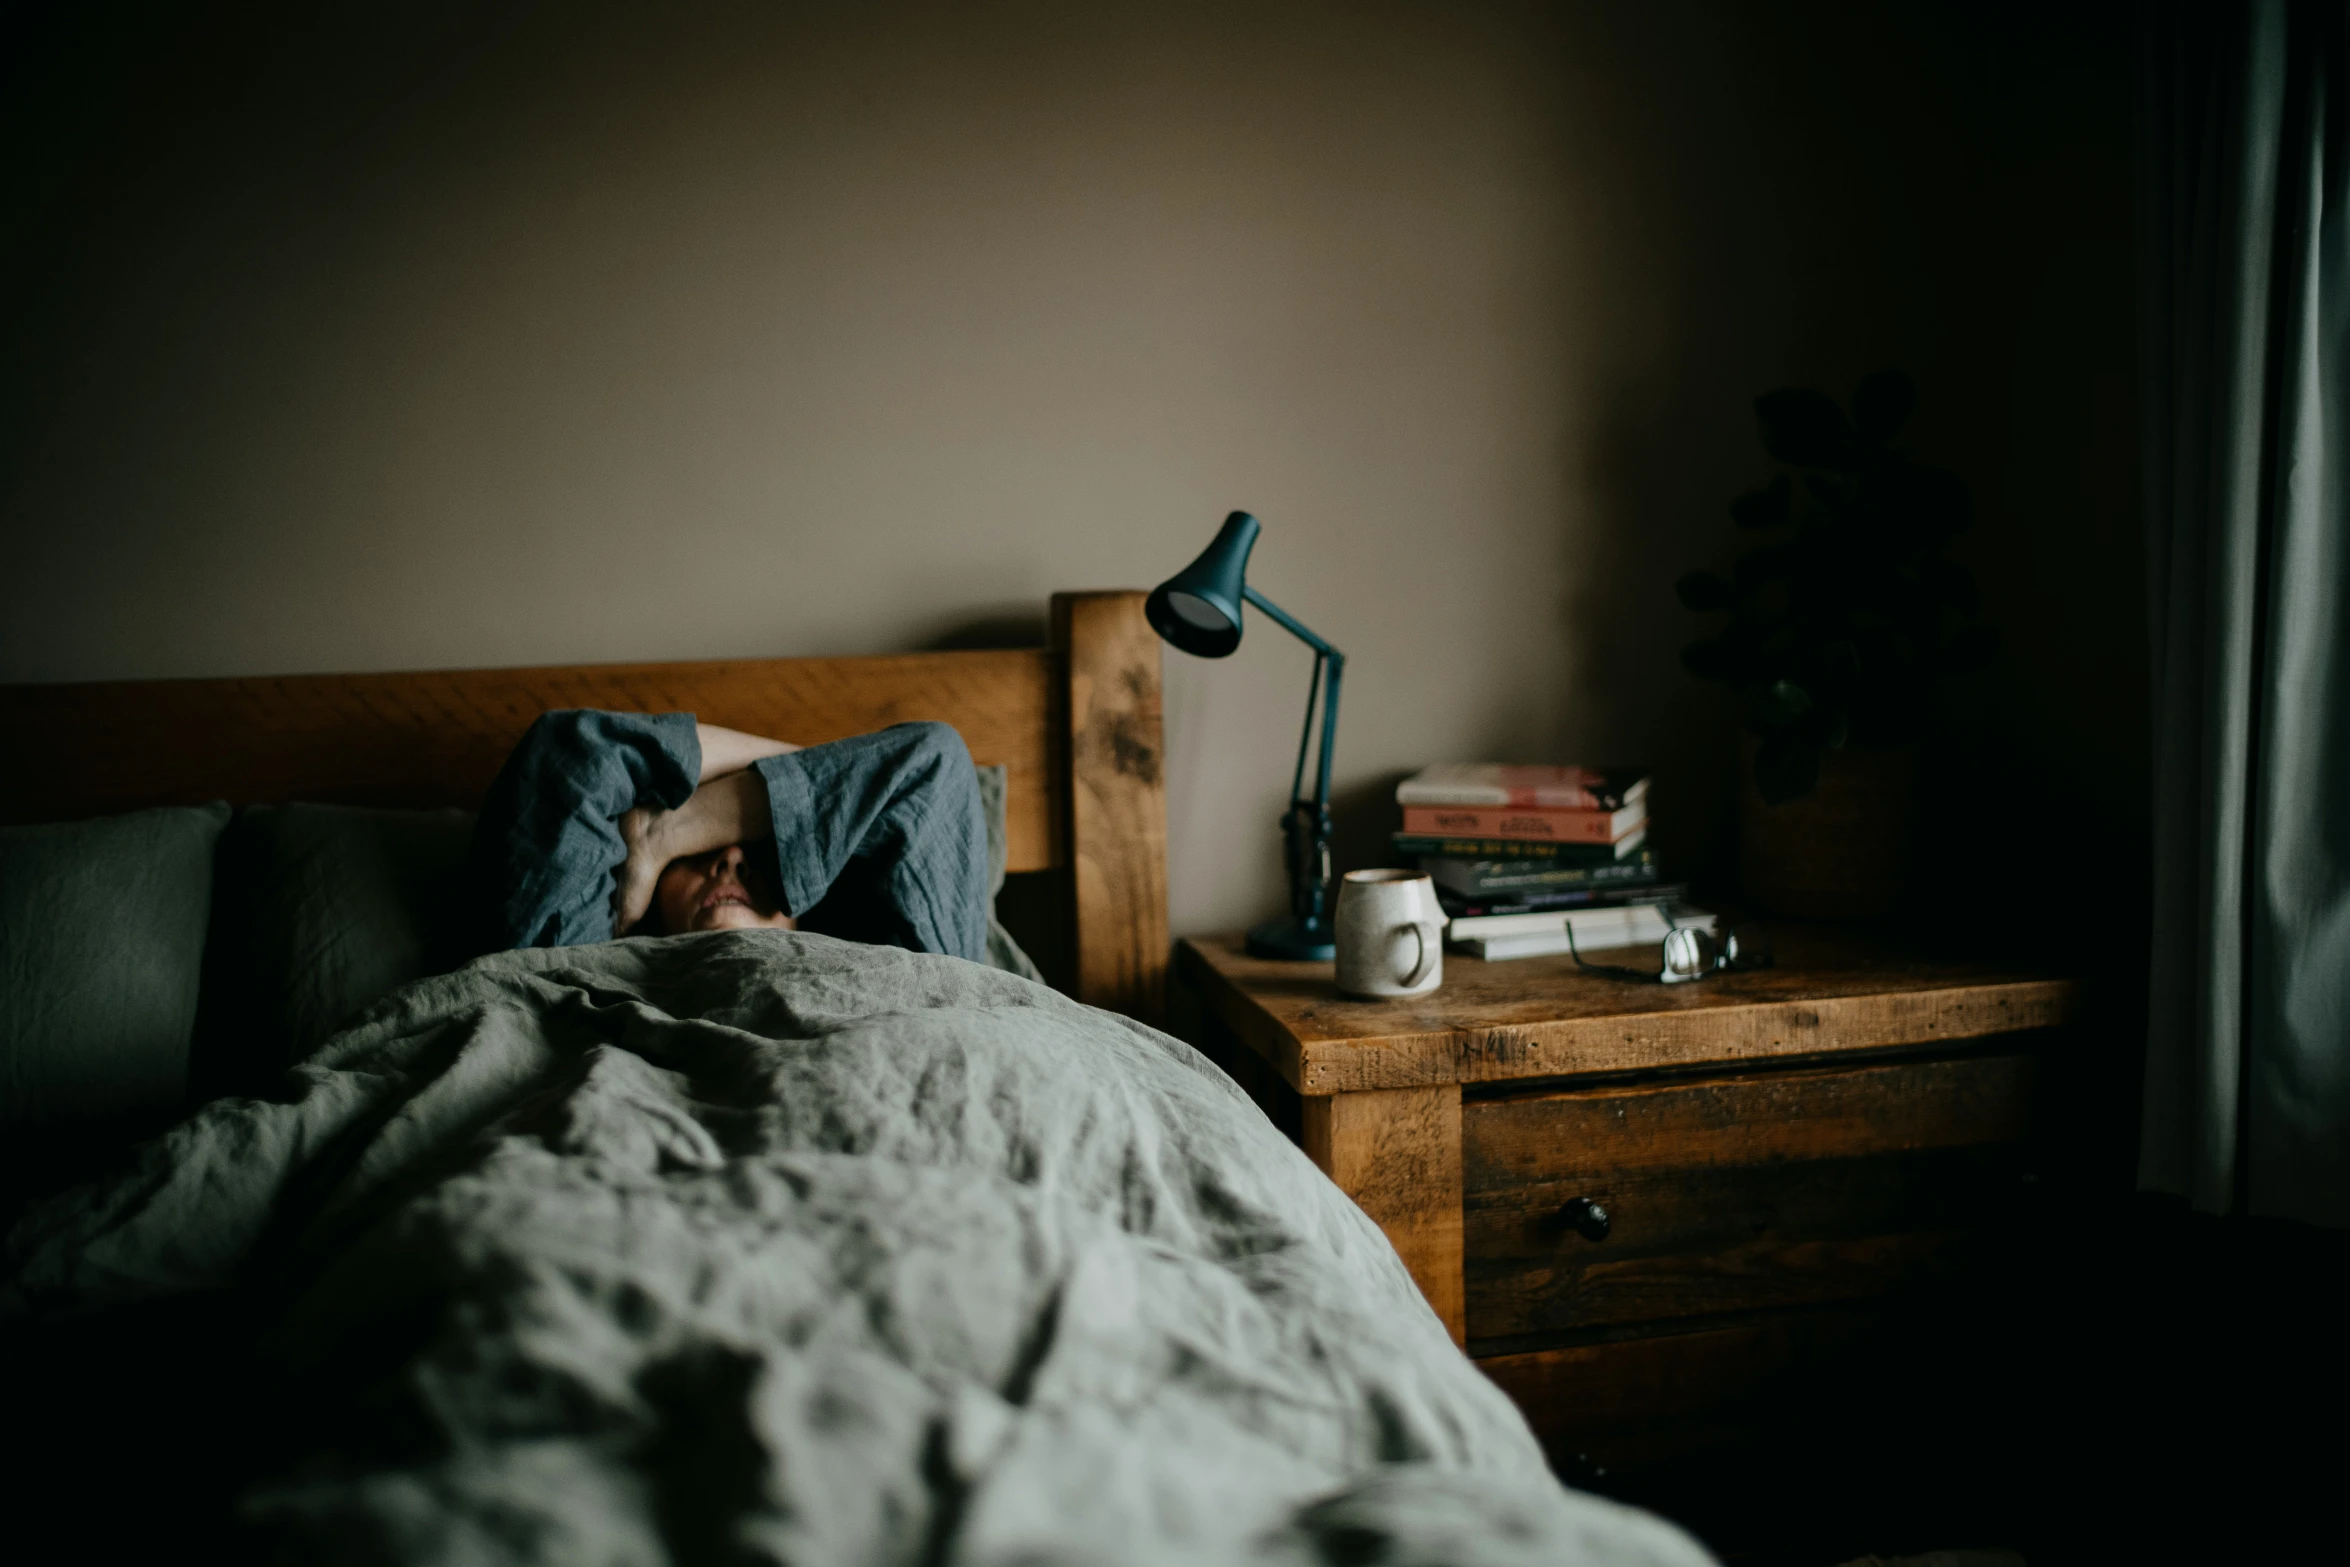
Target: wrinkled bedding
[761, 1246]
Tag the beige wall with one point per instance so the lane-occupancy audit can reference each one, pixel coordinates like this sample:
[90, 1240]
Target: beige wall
[668, 333]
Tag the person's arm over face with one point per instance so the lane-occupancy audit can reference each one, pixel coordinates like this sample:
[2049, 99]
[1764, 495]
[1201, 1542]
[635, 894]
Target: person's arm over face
[726, 751]
[729, 807]
[548, 841]
[886, 831]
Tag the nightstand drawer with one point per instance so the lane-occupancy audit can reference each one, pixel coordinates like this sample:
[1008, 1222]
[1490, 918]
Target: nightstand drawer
[1733, 1194]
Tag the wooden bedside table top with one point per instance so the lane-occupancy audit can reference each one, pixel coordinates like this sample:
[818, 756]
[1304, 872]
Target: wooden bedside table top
[1542, 1017]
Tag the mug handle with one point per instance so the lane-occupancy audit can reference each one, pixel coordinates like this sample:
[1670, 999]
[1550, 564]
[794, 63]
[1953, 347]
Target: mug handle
[1430, 951]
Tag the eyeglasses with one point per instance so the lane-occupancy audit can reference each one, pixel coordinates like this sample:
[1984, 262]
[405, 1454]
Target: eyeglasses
[1690, 954]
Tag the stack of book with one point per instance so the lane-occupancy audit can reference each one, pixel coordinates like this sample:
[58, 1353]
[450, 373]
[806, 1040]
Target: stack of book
[1521, 856]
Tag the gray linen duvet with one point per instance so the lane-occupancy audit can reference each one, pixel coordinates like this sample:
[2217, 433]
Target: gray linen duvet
[758, 1246]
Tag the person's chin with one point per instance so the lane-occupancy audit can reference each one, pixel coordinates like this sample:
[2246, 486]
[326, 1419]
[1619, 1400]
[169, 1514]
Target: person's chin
[729, 916]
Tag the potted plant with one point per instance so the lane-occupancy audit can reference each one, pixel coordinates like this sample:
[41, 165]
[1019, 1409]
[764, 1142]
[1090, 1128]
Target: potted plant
[1842, 624]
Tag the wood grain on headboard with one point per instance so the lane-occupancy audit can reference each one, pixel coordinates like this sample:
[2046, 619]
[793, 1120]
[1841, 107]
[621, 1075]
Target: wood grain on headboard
[436, 737]
[1075, 725]
[1116, 800]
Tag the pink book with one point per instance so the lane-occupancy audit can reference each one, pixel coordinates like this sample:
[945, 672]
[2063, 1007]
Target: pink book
[1537, 788]
[1502, 821]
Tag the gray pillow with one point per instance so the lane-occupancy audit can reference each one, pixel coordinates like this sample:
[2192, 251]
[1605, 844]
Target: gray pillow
[102, 927]
[329, 908]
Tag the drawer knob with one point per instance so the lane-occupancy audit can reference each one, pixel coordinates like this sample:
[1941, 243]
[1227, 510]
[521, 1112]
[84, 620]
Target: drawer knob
[1586, 1218]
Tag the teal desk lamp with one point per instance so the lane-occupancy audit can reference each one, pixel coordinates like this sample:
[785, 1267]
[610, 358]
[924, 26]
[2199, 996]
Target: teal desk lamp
[1198, 610]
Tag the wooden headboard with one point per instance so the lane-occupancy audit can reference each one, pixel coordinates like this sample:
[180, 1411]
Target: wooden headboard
[1076, 726]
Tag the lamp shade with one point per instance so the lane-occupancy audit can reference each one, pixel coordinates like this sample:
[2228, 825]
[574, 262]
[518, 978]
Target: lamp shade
[1198, 608]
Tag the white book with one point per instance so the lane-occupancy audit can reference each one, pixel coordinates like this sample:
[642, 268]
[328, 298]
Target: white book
[1629, 921]
[1540, 935]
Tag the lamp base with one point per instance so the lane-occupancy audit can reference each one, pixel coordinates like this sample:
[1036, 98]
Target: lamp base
[1292, 941]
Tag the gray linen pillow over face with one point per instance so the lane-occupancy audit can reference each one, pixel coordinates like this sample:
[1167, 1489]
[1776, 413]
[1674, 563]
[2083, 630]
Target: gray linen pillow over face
[102, 928]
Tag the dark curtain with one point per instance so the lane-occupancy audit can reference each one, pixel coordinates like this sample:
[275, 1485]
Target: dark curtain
[2243, 196]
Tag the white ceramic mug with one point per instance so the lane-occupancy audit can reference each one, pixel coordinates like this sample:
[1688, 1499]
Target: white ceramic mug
[1390, 934]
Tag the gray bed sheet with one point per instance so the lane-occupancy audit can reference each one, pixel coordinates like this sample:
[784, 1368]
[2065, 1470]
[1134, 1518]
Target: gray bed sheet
[763, 1246]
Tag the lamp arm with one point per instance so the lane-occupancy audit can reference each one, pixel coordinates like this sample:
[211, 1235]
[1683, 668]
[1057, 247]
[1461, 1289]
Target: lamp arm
[1335, 667]
[1305, 734]
[1315, 896]
[1329, 665]
[1306, 825]
[1287, 621]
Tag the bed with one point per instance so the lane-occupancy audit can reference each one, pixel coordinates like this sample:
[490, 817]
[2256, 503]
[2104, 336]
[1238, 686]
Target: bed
[741, 1246]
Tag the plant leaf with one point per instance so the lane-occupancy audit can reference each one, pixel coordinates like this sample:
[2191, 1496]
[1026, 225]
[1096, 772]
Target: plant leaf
[1805, 428]
[1703, 591]
[1882, 405]
[1772, 506]
[1780, 702]
[1785, 768]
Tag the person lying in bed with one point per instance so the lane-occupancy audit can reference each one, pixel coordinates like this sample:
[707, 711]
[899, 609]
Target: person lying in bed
[606, 824]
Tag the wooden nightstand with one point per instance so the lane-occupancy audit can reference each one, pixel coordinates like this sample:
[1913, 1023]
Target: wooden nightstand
[1628, 1199]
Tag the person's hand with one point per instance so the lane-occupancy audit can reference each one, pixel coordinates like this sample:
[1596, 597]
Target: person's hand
[641, 873]
[729, 809]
